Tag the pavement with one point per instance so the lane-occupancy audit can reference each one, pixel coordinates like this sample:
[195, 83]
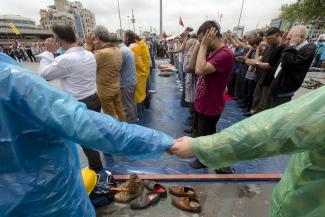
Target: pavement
[217, 200]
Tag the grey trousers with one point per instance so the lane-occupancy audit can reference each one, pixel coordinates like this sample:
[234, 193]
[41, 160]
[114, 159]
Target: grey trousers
[129, 104]
[261, 99]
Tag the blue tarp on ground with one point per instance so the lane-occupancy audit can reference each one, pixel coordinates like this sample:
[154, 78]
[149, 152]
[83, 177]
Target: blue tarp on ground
[167, 115]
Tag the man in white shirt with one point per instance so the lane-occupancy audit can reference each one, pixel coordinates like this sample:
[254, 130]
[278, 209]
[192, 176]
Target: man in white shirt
[76, 70]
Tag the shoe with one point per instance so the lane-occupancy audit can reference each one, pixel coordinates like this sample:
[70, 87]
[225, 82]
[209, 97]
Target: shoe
[196, 164]
[241, 106]
[225, 170]
[182, 191]
[104, 183]
[189, 131]
[187, 204]
[135, 188]
[145, 200]
[245, 110]
[156, 187]
[247, 114]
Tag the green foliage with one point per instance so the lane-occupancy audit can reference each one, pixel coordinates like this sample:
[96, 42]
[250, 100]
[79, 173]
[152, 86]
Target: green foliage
[305, 11]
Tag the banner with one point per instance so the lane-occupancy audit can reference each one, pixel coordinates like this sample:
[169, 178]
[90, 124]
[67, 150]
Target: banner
[14, 29]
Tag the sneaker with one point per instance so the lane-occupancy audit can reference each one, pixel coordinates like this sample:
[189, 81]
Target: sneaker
[104, 183]
[196, 164]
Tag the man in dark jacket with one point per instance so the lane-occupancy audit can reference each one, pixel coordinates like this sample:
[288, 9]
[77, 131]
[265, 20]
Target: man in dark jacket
[295, 61]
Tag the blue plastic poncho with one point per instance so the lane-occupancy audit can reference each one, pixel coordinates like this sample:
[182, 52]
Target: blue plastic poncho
[39, 128]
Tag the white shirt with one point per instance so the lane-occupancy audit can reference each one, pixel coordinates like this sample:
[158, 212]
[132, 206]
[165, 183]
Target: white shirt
[76, 70]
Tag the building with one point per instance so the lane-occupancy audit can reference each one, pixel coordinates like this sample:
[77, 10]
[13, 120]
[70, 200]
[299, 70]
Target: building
[239, 30]
[313, 32]
[28, 32]
[120, 33]
[81, 19]
[279, 23]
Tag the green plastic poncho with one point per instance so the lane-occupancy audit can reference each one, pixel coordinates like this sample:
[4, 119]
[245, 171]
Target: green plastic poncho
[296, 128]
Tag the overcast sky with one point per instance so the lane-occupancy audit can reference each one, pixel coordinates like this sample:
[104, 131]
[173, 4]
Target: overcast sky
[193, 12]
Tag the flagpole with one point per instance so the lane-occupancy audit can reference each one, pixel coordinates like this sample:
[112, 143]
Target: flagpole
[161, 22]
[241, 11]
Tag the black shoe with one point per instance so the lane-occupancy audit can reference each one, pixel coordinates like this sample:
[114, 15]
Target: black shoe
[225, 170]
[189, 131]
[245, 110]
[247, 114]
[241, 106]
[196, 164]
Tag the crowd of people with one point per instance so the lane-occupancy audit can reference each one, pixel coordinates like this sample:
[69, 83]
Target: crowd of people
[261, 70]
[22, 52]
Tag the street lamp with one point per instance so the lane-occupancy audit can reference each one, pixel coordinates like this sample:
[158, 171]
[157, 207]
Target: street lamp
[140, 28]
[119, 13]
[129, 22]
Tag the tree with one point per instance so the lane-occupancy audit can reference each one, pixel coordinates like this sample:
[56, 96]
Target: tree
[305, 11]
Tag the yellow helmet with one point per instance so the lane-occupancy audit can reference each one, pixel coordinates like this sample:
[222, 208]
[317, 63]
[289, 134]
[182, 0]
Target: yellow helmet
[89, 178]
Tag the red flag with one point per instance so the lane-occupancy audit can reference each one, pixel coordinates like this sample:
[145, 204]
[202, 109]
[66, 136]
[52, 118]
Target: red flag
[181, 22]
[164, 36]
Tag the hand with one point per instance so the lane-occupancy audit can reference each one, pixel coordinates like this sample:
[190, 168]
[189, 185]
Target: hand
[241, 59]
[251, 62]
[90, 39]
[295, 40]
[295, 37]
[182, 147]
[209, 37]
[234, 35]
[51, 45]
[284, 39]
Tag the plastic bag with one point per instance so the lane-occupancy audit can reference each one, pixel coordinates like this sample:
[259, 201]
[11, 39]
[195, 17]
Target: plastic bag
[39, 128]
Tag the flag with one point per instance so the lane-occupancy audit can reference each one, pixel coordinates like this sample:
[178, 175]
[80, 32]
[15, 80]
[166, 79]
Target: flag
[181, 22]
[154, 29]
[164, 36]
[14, 29]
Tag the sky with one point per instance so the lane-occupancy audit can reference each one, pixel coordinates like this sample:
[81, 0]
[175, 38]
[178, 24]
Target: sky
[256, 13]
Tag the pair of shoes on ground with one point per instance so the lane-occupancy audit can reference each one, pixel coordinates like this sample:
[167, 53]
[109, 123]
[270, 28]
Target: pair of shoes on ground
[156, 191]
[133, 191]
[185, 198]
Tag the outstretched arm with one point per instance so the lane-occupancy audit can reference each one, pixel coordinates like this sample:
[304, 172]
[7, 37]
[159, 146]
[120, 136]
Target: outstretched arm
[63, 115]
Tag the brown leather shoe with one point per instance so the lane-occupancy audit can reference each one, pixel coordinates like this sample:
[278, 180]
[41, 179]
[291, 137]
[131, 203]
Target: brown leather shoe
[187, 204]
[145, 200]
[156, 187]
[182, 191]
[135, 188]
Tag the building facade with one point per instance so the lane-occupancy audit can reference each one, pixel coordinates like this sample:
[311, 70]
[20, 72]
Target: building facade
[28, 32]
[81, 19]
[313, 32]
